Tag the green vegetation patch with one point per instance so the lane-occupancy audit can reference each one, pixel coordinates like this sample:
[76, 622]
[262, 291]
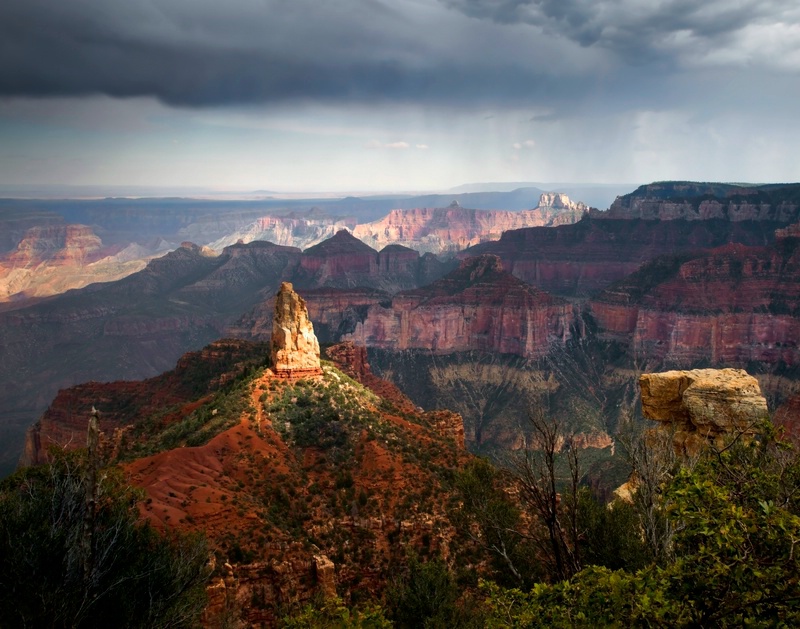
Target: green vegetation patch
[324, 413]
[74, 553]
[222, 411]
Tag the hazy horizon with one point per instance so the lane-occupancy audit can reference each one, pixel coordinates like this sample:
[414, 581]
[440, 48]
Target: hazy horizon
[78, 191]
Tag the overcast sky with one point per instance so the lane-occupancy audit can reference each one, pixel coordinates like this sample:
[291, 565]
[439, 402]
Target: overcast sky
[400, 95]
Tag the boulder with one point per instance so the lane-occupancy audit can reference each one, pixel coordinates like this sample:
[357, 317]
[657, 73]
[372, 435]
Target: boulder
[703, 405]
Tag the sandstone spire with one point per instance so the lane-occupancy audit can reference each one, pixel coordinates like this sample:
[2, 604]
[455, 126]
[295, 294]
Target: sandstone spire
[295, 349]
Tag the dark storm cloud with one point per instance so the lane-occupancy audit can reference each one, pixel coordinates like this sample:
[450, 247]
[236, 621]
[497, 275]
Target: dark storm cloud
[199, 53]
[210, 53]
[638, 30]
[205, 52]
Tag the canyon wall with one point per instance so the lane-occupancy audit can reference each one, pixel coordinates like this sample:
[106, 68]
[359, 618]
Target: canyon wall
[734, 305]
[729, 298]
[672, 200]
[138, 326]
[289, 231]
[581, 259]
[343, 261]
[51, 259]
[451, 229]
[478, 306]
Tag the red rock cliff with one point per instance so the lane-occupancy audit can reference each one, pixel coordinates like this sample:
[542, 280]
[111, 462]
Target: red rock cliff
[476, 307]
[730, 306]
[122, 403]
[581, 259]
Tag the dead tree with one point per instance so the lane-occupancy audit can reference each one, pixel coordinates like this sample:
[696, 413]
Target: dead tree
[537, 474]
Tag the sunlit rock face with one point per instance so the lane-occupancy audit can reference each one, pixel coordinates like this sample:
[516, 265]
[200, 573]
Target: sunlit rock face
[295, 349]
[450, 229]
[703, 405]
[476, 307]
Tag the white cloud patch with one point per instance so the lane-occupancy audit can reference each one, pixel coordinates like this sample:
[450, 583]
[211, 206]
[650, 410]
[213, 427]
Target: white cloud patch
[394, 146]
[527, 144]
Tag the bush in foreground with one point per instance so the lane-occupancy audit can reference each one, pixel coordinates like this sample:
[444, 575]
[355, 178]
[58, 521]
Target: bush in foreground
[73, 553]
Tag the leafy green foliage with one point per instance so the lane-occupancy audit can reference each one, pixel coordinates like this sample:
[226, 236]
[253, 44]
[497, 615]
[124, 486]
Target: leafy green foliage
[324, 414]
[426, 595]
[736, 553]
[737, 529]
[66, 561]
[333, 614]
[610, 537]
[497, 520]
[198, 377]
[222, 411]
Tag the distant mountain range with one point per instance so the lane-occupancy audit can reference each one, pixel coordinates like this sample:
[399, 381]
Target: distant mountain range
[48, 247]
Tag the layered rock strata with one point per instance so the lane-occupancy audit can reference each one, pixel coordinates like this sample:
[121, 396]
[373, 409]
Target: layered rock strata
[441, 230]
[584, 258]
[686, 200]
[703, 405]
[51, 259]
[732, 305]
[289, 231]
[343, 261]
[295, 349]
[477, 307]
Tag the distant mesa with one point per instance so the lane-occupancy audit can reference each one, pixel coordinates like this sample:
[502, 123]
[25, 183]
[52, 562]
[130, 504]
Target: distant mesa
[295, 349]
[695, 201]
[450, 229]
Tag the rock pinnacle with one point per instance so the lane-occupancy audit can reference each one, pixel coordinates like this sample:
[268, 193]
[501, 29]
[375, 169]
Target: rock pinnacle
[295, 349]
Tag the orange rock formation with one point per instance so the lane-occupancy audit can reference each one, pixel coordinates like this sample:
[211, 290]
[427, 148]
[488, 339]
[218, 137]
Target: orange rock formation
[295, 349]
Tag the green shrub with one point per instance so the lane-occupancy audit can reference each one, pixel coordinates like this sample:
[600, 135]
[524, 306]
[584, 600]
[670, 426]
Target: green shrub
[737, 523]
[65, 563]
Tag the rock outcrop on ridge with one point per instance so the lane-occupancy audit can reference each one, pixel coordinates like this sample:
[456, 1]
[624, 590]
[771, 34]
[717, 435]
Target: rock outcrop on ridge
[703, 405]
[303, 487]
[295, 349]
